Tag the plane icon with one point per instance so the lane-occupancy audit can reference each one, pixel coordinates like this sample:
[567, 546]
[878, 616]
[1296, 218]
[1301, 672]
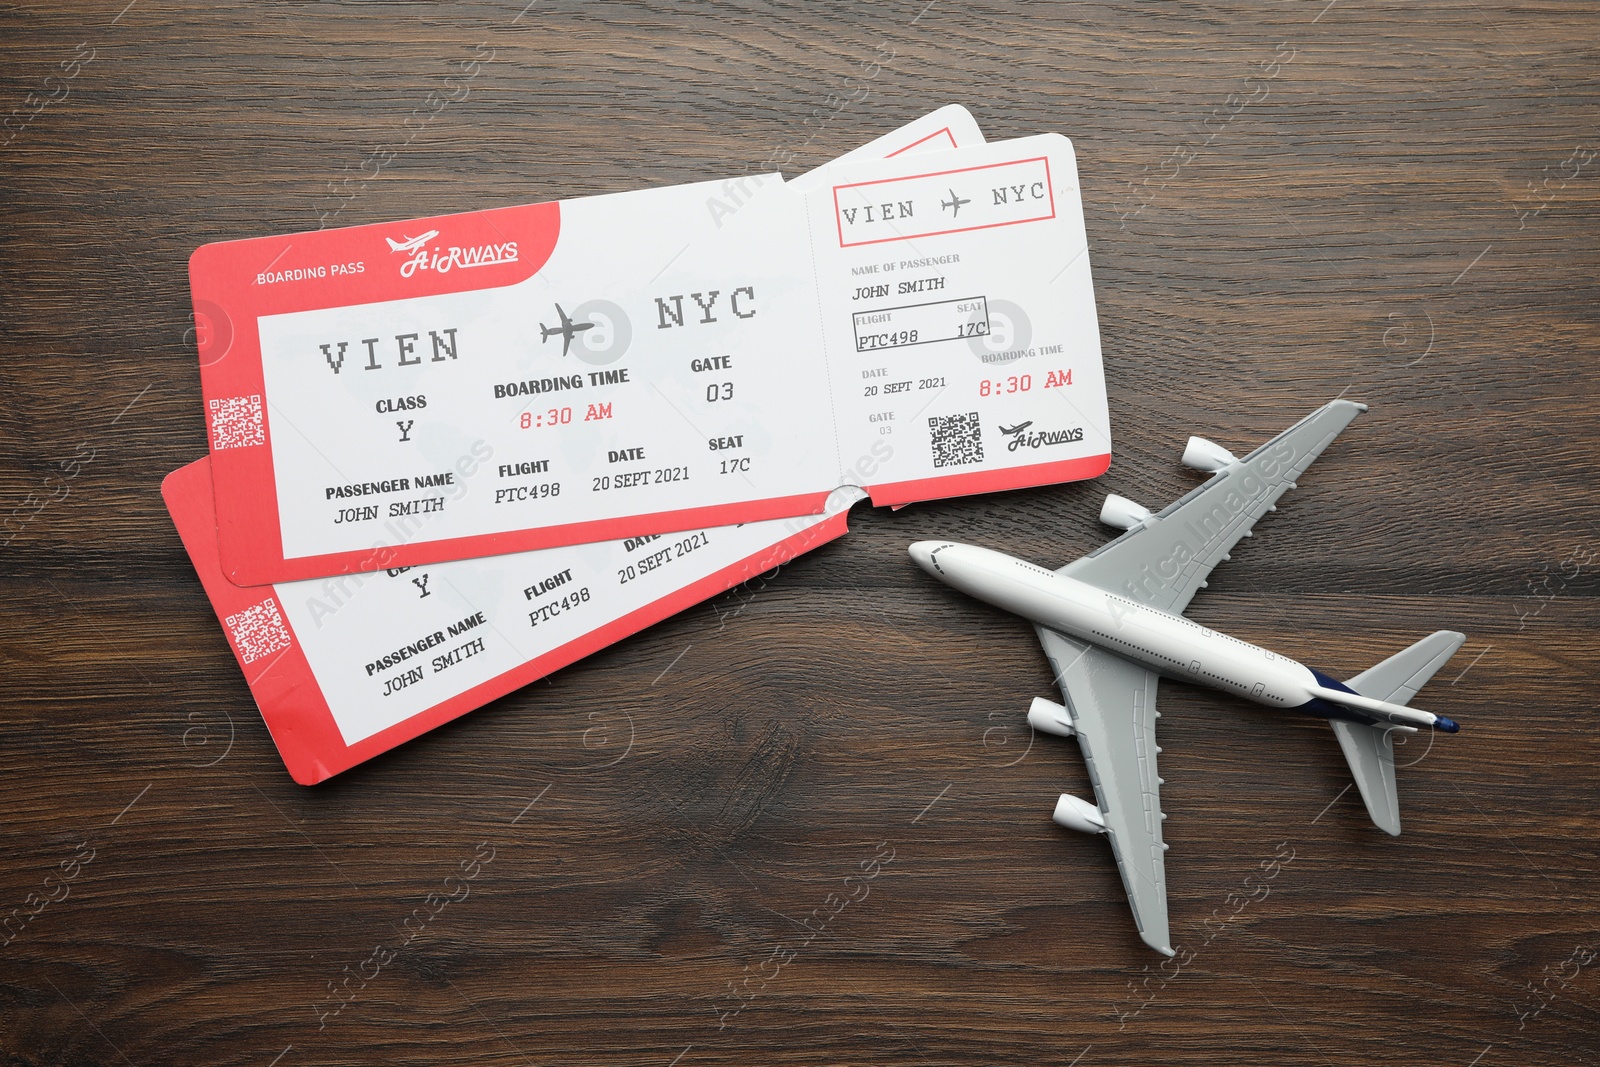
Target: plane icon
[955, 203]
[568, 329]
[1112, 626]
[411, 244]
[1018, 428]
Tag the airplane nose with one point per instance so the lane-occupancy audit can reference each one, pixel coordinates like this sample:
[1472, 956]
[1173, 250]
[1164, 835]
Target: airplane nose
[922, 552]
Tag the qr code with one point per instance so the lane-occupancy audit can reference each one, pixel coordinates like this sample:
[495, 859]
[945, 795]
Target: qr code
[236, 422]
[957, 439]
[258, 631]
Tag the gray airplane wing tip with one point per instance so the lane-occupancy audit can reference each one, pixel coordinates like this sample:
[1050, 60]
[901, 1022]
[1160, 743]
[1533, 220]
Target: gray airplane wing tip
[1160, 940]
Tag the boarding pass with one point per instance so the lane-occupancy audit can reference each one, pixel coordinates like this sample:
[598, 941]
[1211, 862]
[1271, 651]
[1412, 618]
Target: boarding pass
[346, 667]
[638, 363]
[350, 666]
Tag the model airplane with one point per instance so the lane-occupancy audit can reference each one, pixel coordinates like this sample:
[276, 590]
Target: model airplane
[1112, 623]
[568, 330]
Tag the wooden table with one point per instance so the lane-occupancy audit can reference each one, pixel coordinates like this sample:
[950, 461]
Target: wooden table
[1286, 203]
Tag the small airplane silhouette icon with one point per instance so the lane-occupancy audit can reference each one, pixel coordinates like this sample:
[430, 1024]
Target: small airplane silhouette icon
[954, 203]
[411, 244]
[567, 329]
[1017, 428]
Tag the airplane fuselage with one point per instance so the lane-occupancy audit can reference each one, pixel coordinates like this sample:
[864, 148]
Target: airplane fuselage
[1166, 643]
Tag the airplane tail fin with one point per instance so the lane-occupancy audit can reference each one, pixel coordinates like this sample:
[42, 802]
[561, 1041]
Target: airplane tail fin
[1370, 749]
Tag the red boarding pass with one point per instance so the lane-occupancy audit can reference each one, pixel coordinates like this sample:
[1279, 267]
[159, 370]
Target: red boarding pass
[347, 667]
[639, 363]
[357, 633]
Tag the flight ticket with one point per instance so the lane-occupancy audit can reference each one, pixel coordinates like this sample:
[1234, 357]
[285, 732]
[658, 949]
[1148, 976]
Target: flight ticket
[352, 665]
[346, 667]
[920, 326]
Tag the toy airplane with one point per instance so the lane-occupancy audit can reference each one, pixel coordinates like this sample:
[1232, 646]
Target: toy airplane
[1111, 623]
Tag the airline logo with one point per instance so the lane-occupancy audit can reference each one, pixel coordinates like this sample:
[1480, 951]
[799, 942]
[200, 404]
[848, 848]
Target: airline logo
[444, 260]
[1023, 435]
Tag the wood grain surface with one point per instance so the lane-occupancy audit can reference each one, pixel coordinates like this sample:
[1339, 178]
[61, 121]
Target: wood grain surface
[1400, 206]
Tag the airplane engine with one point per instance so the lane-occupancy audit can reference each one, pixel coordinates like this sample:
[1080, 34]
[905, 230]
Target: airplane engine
[1122, 513]
[1048, 717]
[1078, 814]
[1205, 455]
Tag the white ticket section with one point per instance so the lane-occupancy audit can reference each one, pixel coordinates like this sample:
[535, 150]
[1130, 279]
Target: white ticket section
[386, 645]
[951, 126]
[709, 346]
[689, 375]
[958, 311]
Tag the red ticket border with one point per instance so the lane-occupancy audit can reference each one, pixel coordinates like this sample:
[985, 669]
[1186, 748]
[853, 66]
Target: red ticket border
[1049, 184]
[898, 494]
[943, 131]
[286, 691]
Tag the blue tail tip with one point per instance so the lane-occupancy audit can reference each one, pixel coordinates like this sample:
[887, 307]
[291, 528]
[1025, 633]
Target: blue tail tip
[1449, 726]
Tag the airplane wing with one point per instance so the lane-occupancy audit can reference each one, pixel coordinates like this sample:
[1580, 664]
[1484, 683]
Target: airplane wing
[1163, 560]
[1113, 706]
